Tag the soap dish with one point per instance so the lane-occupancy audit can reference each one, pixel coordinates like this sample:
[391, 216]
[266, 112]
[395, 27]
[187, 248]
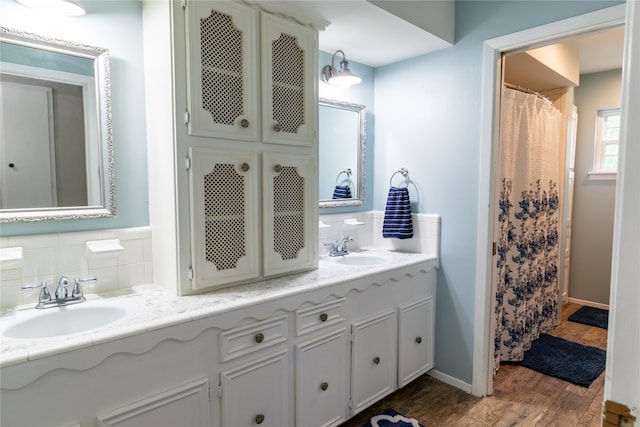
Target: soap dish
[104, 248]
[353, 221]
[10, 258]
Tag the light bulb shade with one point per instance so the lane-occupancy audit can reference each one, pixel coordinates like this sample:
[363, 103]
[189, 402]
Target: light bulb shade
[343, 77]
[60, 7]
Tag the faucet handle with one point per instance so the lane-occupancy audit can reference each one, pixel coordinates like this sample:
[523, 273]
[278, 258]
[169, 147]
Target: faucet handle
[77, 290]
[45, 296]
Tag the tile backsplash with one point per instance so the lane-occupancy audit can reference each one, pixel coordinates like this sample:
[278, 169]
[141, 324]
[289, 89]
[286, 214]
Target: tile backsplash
[368, 232]
[48, 257]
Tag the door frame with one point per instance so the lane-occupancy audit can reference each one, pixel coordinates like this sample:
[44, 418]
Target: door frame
[482, 380]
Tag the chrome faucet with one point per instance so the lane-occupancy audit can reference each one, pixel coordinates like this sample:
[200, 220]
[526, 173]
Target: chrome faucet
[61, 294]
[339, 247]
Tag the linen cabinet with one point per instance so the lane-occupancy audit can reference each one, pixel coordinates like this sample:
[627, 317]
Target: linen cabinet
[240, 133]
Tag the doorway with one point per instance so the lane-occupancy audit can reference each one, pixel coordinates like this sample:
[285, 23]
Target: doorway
[493, 51]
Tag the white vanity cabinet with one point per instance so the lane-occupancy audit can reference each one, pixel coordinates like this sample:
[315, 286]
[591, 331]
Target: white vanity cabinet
[228, 65]
[373, 359]
[256, 393]
[185, 406]
[415, 339]
[304, 354]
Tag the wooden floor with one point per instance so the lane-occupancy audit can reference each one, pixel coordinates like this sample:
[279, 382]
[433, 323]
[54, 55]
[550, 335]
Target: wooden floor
[522, 397]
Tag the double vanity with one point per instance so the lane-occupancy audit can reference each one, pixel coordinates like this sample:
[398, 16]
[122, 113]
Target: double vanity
[307, 349]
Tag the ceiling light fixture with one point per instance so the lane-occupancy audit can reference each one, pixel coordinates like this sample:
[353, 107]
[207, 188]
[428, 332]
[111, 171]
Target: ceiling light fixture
[60, 7]
[342, 77]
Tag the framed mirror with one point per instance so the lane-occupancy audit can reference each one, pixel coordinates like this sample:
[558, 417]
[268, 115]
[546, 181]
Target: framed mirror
[56, 153]
[342, 145]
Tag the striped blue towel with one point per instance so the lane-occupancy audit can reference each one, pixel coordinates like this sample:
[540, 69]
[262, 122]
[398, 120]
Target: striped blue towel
[342, 192]
[397, 215]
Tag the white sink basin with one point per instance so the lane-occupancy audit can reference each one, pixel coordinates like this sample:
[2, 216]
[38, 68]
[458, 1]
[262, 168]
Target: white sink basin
[360, 259]
[61, 321]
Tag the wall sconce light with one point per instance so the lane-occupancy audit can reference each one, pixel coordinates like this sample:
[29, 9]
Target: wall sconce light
[342, 77]
[60, 7]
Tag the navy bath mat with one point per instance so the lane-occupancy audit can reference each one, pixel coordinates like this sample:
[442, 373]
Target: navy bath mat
[392, 418]
[591, 316]
[567, 360]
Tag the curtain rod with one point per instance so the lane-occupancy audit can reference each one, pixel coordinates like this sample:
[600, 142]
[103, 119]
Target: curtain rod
[526, 90]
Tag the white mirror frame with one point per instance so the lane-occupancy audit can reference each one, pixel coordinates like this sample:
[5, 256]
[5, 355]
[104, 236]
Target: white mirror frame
[102, 136]
[361, 147]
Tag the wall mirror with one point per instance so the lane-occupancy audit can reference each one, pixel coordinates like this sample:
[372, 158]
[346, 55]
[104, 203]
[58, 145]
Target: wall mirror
[342, 144]
[56, 154]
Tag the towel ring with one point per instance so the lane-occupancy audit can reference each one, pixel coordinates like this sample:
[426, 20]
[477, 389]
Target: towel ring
[404, 172]
[346, 172]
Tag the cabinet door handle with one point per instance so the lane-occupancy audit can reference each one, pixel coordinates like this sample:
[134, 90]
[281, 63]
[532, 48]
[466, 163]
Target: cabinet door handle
[277, 127]
[418, 340]
[244, 123]
[259, 418]
[376, 360]
[244, 167]
[324, 386]
[324, 317]
[259, 337]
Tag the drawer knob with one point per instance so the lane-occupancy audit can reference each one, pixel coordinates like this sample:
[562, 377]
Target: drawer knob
[376, 360]
[259, 418]
[259, 337]
[418, 340]
[324, 317]
[244, 123]
[324, 386]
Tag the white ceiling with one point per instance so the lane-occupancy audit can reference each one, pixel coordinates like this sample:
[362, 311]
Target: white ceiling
[365, 32]
[372, 36]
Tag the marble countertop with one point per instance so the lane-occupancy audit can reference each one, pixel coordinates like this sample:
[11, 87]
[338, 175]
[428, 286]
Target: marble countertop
[151, 307]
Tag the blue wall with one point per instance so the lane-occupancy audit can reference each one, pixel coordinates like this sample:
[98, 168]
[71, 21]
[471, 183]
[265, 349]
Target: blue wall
[428, 112]
[117, 26]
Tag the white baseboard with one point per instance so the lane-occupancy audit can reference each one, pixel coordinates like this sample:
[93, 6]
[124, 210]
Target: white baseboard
[589, 303]
[447, 379]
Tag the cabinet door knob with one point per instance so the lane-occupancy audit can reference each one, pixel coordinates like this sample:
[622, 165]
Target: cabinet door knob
[324, 317]
[11, 165]
[244, 123]
[324, 386]
[244, 167]
[277, 168]
[418, 340]
[259, 418]
[376, 360]
[259, 337]
[277, 127]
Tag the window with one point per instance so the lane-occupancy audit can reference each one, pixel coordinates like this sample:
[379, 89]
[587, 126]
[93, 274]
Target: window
[605, 159]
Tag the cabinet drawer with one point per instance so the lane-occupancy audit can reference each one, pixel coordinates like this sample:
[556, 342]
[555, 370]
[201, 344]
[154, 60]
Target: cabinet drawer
[319, 316]
[253, 337]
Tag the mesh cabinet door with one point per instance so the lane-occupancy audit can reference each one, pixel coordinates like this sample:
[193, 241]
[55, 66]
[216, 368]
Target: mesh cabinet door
[289, 207]
[222, 83]
[224, 222]
[289, 78]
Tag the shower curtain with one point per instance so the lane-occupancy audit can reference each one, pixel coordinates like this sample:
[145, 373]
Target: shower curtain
[527, 224]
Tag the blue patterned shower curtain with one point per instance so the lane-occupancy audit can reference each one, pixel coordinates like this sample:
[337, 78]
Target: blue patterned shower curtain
[527, 225]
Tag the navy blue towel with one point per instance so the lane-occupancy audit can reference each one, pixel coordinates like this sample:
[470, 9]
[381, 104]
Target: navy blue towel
[342, 192]
[397, 215]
